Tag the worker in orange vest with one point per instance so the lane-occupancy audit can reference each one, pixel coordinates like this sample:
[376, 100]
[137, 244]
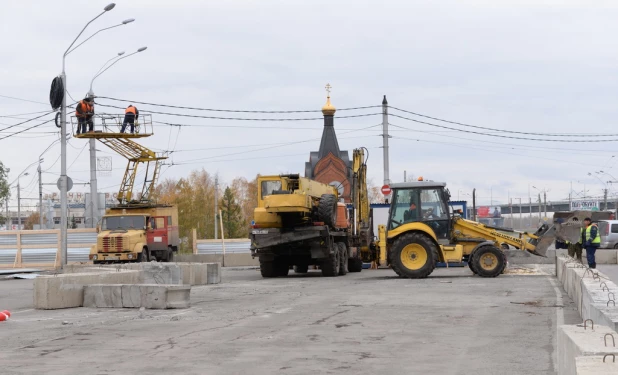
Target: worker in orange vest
[130, 114]
[84, 112]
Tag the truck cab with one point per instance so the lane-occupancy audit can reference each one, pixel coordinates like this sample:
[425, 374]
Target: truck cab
[137, 235]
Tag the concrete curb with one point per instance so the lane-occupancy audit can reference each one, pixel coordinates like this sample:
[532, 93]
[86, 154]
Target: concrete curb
[595, 365]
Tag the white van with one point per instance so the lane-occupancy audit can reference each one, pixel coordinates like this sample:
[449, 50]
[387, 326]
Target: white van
[608, 229]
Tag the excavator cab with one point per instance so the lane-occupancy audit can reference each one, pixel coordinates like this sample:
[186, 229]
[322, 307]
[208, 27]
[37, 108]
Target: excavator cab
[421, 202]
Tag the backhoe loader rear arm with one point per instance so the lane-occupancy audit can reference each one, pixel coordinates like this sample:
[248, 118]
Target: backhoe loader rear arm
[471, 231]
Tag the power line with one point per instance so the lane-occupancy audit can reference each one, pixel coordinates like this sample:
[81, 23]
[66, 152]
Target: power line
[232, 110]
[505, 136]
[23, 100]
[500, 130]
[244, 118]
[500, 143]
[239, 126]
[23, 114]
[24, 130]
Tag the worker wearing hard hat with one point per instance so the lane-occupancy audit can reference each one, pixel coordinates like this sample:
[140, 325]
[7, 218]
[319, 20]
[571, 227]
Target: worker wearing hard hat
[84, 112]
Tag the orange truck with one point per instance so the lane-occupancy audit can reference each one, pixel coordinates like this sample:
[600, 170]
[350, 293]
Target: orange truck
[137, 234]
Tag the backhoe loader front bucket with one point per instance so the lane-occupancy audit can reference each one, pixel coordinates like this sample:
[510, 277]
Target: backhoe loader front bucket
[566, 226]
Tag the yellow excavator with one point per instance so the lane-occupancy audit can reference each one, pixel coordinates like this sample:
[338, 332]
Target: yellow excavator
[421, 231]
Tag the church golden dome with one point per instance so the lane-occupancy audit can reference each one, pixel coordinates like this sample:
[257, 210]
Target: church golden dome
[328, 109]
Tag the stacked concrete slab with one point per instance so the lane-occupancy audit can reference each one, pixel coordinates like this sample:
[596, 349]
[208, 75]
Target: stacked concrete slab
[150, 296]
[596, 365]
[577, 341]
[161, 285]
[579, 347]
[67, 290]
[593, 295]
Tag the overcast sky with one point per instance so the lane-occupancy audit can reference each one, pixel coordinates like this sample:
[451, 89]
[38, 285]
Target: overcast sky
[529, 66]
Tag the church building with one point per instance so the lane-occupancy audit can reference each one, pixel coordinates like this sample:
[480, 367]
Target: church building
[330, 165]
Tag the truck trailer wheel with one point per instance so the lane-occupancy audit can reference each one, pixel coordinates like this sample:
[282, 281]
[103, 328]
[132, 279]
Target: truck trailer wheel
[414, 255]
[267, 268]
[282, 268]
[355, 265]
[343, 259]
[330, 265]
[327, 209]
[489, 261]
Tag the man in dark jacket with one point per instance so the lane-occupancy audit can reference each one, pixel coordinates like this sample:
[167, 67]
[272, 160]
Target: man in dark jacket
[130, 114]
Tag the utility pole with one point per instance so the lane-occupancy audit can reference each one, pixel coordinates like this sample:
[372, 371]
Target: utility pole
[216, 203]
[545, 203]
[570, 197]
[6, 203]
[40, 197]
[530, 208]
[18, 206]
[385, 142]
[94, 196]
[540, 208]
[404, 177]
[605, 199]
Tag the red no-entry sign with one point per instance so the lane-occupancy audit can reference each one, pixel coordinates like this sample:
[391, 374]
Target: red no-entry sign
[386, 190]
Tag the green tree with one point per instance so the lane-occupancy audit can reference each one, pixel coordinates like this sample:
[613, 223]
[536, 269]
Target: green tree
[5, 191]
[73, 223]
[231, 214]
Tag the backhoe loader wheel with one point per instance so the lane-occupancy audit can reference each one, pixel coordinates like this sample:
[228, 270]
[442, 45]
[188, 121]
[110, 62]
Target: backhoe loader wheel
[327, 209]
[414, 255]
[489, 261]
[343, 259]
[471, 263]
[330, 265]
[355, 265]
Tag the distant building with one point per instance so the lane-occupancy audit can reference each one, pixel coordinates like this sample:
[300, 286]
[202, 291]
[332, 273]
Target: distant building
[330, 165]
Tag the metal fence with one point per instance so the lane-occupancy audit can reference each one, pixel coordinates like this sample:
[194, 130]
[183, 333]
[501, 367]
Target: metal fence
[233, 246]
[41, 248]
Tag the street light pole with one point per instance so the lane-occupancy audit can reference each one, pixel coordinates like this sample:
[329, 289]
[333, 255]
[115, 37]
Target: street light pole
[19, 200]
[63, 147]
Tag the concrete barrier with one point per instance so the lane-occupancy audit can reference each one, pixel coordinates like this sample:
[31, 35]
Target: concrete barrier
[594, 365]
[67, 290]
[200, 273]
[150, 296]
[602, 256]
[231, 260]
[576, 341]
[593, 297]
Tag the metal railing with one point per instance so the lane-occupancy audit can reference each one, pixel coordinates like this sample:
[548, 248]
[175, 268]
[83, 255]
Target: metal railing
[112, 124]
[41, 248]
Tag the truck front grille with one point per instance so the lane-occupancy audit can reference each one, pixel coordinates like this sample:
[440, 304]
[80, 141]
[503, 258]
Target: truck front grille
[112, 244]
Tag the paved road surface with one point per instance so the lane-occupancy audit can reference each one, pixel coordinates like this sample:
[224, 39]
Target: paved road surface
[367, 323]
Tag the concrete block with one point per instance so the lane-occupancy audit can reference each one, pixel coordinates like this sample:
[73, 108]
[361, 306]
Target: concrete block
[150, 296]
[594, 365]
[67, 290]
[103, 297]
[161, 273]
[603, 256]
[231, 260]
[575, 341]
[214, 273]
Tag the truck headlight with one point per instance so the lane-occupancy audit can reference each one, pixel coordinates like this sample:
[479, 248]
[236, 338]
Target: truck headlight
[130, 256]
[94, 257]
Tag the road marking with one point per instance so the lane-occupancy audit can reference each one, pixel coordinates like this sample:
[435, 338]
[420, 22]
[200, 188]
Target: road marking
[559, 319]
[23, 311]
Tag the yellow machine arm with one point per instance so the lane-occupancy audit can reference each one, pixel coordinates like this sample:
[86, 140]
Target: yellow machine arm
[362, 225]
[136, 154]
[473, 232]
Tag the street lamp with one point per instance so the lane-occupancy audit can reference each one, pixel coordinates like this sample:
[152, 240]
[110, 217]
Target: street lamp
[91, 93]
[544, 191]
[127, 21]
[63, 146]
